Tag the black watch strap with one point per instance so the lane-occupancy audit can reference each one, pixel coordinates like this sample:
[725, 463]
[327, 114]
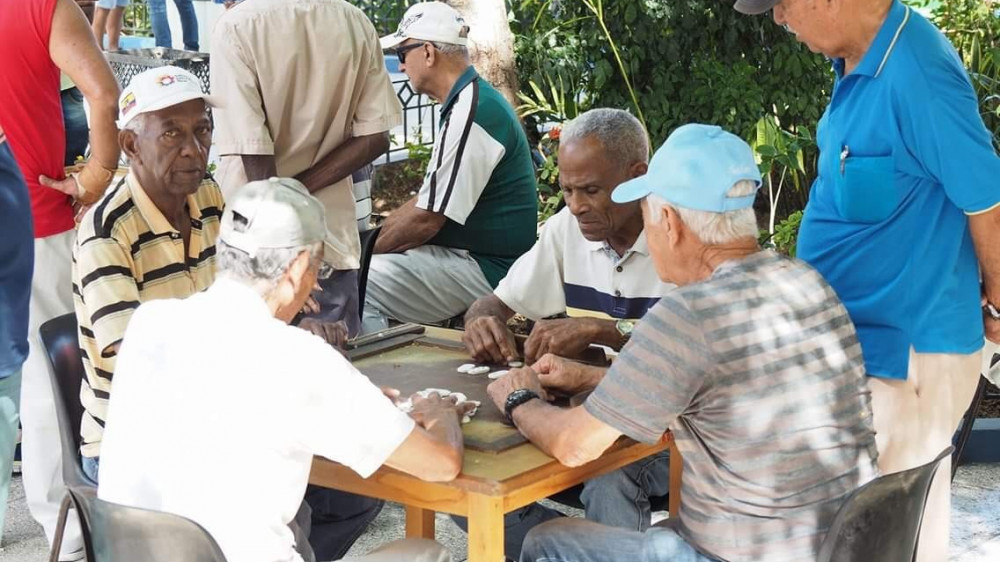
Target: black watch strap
[515, 399]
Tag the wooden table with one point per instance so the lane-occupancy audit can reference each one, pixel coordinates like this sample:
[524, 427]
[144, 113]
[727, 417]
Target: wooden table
[491, 484]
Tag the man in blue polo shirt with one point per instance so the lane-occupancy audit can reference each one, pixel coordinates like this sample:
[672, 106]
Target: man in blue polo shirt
[903, 220]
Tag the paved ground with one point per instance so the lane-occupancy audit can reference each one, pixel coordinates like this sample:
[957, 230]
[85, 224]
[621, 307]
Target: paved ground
[975, 523]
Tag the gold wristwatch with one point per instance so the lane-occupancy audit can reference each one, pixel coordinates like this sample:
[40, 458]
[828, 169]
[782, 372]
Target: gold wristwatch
[624, 328]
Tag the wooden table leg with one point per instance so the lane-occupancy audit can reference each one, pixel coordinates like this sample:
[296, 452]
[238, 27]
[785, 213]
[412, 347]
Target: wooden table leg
[419, 523]
[485, 528]
[676, 468]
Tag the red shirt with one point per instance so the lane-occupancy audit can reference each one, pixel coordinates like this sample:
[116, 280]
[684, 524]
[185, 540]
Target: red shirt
[31, 108]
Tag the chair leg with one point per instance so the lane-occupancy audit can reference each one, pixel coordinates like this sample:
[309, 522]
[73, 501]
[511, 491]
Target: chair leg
[60, 529]
[965, 428]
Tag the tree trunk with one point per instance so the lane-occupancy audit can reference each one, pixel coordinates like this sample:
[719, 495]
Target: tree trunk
[491, 44]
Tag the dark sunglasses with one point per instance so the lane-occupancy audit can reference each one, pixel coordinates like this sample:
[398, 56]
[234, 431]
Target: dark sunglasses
[401, 51]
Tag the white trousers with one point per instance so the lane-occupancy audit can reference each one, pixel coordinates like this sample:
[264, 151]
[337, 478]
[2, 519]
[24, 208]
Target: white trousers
[408, 550]
[914, 421]
[424, 285]
[41, 449]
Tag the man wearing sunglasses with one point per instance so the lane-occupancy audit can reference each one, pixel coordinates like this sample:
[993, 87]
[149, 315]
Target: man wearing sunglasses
[475, 213]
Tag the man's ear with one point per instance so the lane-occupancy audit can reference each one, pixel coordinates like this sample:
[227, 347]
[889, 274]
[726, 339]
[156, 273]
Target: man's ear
[675, 226]
[638, 169]
[431, 54]
[128, 140]
[298, 269]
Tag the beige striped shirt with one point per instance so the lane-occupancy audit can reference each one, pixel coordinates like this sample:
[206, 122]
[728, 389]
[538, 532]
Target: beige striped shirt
[127, 253]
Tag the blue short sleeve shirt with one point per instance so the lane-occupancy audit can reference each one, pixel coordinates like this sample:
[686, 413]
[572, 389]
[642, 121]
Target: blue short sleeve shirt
[904, 158]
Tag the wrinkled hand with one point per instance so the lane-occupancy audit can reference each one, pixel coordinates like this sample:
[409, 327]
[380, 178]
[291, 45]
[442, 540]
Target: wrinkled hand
[488, 340]
[514, 380]
[990, 326]
[565, 375]
[70, 187]
[561, 336]
[432, 409]
[334, 333]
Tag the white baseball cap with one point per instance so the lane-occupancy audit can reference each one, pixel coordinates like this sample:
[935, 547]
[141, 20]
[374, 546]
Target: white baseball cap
[275, 213]
[157, 88]
[429, 21]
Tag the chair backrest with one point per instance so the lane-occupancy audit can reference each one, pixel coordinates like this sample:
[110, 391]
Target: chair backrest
[62, 345]
[116, 533]
[368, 238]
[881, 520]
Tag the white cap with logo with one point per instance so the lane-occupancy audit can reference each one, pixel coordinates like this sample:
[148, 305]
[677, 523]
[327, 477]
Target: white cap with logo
[158, 88]
[429, 21]
[275, 213]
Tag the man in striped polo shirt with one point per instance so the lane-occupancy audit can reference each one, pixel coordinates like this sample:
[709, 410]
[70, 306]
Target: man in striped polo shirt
[591, 261]
[752, 362]
[152, 236]
[477, 209]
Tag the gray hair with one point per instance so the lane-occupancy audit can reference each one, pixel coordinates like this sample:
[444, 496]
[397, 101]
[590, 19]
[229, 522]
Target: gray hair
[713, 228]
[137, 124]
[451, 50]
[619, 132]
[263, 270]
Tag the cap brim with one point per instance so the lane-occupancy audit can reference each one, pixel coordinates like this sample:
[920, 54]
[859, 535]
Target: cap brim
[754, 7]
[390, 41]
[210, 101]
[632, 190]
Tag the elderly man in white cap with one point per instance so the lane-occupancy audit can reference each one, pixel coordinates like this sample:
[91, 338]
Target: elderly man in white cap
[752, 363]
[476, 212]
[903, 220]
[262, 398]
[153, 234]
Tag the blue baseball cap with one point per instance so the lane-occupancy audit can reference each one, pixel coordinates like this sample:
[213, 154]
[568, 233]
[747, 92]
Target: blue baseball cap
[695, 169]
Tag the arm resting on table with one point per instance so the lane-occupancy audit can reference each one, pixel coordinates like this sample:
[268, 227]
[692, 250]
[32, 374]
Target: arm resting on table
[432, 452]
[572, 436]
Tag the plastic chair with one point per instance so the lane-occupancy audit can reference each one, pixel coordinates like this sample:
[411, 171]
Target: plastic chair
[368, 238]
[62, 345]
[117, 533]
[964, 432]
[881, 520]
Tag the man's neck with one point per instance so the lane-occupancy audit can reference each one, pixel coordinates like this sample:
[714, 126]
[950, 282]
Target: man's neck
[171, 206]
[446, 82]
[622, 240]
[869, 19]
[711, 257]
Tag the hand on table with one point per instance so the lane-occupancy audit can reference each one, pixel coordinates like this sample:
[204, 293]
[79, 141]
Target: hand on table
[561, 336]
[514, 380]
[488, 340]
[565, 375]
[334, 333]
[432, 409]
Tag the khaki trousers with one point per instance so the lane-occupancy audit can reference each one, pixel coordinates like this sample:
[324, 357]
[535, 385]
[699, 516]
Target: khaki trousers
[914, 421]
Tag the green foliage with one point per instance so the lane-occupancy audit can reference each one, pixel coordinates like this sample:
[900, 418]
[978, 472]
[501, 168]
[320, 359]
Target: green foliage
[786, 234]
[783, 165]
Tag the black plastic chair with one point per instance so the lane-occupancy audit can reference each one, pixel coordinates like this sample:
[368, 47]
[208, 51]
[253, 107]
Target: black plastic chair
[368, 238]
[62, 345]
[964, 432]
[881, 520]
[117, 533]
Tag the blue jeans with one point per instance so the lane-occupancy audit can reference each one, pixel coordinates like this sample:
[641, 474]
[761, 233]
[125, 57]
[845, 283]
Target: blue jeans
[91, 467]
[620, 499]
[161, 28]
[10, 399]
[75, 121]
[577, 540]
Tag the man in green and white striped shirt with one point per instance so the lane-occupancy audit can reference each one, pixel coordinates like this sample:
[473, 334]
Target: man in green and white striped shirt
[476, 211]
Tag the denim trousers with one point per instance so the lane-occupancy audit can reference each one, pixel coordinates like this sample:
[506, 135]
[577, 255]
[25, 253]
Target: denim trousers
[576, 540]
[161, 28]
[10, 397]
[620, 499]
[75, 121]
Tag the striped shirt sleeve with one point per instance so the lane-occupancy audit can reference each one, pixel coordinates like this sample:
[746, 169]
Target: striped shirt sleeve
[107, 287]
[462, 162]
[657, 375]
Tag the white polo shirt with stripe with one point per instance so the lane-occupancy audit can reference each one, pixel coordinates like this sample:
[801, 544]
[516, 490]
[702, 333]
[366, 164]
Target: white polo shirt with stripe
[566, 273]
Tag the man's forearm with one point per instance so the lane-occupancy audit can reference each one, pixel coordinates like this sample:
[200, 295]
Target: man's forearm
[259, 166]
[570, 435]
[489, 305]
[407, 227]
[103, 131]
[606, 333]
[985, 228]
[342, 161]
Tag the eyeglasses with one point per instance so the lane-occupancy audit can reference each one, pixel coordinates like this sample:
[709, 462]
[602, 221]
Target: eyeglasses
[401, 51]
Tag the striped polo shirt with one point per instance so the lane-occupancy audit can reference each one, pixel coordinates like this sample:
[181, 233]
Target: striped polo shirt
[564, 273]
[481, 178]
[758, 373]
[127, 253]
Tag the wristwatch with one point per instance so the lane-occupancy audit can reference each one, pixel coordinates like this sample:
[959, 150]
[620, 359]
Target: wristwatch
[624, 328]
[992, 311]
[515, 399]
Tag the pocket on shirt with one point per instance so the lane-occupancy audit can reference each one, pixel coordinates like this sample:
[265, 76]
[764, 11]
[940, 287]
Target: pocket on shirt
[866, 188]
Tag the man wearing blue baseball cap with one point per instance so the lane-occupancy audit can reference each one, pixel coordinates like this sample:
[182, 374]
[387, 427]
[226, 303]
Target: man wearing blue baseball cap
[903, 221]
[752, 363]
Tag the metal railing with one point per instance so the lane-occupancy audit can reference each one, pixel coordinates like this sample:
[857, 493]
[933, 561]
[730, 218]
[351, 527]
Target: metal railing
[419, 120]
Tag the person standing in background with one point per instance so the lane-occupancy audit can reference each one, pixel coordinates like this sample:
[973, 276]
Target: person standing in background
[38, 38]
[161, 27]
[108, 16]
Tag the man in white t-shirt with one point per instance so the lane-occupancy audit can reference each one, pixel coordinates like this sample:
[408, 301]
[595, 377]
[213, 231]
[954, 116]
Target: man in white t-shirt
[590, 262]
[222, 378]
